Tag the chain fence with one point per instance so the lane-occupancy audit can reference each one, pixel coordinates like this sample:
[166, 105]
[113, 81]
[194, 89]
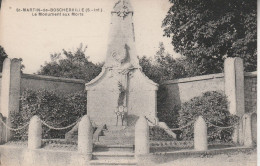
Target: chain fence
[193, 121]
[13, 129]
[170, 129]
[60, 128]
[43, 122]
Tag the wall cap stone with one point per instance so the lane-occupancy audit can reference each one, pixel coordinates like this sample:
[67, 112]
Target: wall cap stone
[50, 78]
[196, 78]
[251, 74]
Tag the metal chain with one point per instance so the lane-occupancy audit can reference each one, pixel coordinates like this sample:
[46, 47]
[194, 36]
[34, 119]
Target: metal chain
[231, 125]
[150, 121]
[61, 128]
[227, 127]
[13, 129]
[190, 123]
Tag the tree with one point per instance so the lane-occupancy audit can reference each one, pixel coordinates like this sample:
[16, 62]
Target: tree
[71, 65]
[3, 55]
[163, 66]
[208, 31]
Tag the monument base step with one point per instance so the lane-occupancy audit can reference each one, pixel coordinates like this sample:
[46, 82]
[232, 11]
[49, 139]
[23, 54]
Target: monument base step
[117, 138]
[111, 148]
[121, 162]
[113, 155]
[117, 135]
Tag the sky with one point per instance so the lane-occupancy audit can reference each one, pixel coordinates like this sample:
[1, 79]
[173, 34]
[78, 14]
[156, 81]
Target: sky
[34, 38]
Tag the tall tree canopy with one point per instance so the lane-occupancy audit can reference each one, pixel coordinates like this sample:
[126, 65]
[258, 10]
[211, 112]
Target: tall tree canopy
[162, 66]
[208, 31]
[71, 65]
[3, 55]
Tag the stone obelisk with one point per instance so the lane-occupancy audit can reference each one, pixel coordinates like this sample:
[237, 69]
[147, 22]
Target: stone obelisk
[121, 93]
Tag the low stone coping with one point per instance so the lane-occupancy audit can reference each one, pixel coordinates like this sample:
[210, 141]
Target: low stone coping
[50, 78]
[210, 151]
[197, 78]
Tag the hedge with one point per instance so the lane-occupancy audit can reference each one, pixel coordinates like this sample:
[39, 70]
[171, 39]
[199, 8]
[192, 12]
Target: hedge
[213, 106]
[57, 110]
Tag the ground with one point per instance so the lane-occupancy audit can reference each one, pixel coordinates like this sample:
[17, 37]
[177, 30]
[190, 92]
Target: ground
[248, 158]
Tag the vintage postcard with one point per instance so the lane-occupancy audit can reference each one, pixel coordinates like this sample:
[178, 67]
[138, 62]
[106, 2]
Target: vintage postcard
[128, 82]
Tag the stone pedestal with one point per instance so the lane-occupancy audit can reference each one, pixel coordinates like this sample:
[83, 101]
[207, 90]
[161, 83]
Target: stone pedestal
[85, 137]
[35, 133]
[142, 145]
[254, 127]
[234, 85]
[248, 141]
[10, 90]
[200, 135]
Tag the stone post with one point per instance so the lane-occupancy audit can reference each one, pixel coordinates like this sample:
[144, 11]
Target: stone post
[2, 130]
[254, 127]
[10, 89]
[234, 85]
[142, 145]
[248, 141]
[234, 90]
[238, 135]
[35, 133]
[85, 137]
[200, 135]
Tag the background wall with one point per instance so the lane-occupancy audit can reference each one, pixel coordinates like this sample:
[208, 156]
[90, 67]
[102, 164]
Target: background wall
[0, 86]
[182, 90]
[60, 85]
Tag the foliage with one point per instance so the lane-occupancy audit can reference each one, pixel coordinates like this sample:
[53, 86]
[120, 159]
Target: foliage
[56, 110]
[208, 31]
[73, 65]
[163, 66]
[213, 106]
[158, 134]
[3, 55]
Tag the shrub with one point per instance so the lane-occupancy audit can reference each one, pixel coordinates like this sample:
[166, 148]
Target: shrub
[158, 134]
[57, 110]
[213, 106]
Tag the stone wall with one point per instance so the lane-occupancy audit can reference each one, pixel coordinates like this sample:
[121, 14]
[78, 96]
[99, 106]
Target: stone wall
[60, 85]
[0, 85]
[182, 90]
[57, 84]
[250, 91]
[13, 83]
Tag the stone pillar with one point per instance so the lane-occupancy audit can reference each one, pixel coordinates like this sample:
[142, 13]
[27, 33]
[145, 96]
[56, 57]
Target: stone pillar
[254, 127]
[142, 145]
[10, 89]
[248, 141]
[85, 137]
[2, 130]
[238, 135]
[35, 133]
[234, 85]
[200, 135]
